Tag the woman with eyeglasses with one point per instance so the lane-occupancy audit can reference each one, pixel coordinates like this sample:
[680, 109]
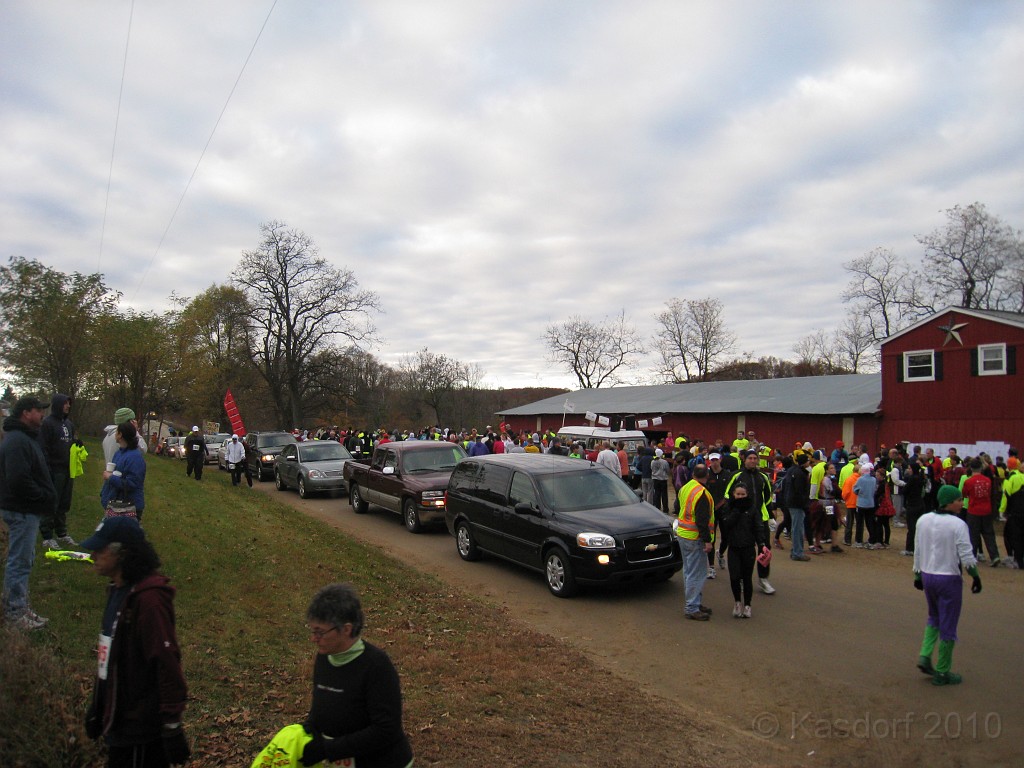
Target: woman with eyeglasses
[356, 710]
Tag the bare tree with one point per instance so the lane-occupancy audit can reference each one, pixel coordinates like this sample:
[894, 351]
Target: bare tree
[595, 353]
[300, 306]
[883, 291]
[964, 261]
[433, 378]
[852, 342]
[692, 339]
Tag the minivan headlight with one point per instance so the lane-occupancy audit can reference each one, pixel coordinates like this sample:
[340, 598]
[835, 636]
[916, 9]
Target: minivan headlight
[595, 541]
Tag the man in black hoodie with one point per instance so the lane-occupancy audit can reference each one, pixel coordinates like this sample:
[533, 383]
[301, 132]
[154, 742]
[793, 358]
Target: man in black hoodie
[26, 494]
[56, 434]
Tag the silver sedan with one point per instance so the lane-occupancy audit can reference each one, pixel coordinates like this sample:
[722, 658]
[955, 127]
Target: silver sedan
[312, 467]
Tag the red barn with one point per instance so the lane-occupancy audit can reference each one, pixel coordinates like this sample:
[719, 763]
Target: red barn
[952, 379]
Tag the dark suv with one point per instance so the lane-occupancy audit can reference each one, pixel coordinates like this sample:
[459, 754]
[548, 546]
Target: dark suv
[261, 448]
[574, 521]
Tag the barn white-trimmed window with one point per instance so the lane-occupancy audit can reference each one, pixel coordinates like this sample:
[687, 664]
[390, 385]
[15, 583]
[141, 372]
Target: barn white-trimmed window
[919, 365]
[992, 360]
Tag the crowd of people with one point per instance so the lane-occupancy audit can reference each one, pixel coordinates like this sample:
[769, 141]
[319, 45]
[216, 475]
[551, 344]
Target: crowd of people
[732, 503]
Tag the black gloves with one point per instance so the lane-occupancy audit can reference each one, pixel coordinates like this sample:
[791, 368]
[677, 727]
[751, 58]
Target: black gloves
[976, 585]
[918, 584]
[315, 751]
[175, 744]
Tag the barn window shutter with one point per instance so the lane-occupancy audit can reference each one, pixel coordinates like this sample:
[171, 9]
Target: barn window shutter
[975, 355]
[938, 365]
[1011, 360]
[901, 363]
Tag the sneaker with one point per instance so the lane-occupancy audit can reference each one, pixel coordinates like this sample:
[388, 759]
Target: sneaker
[996, 561]
[816, 550]
[711, 572]
[50, 544]
[898, 524]
[737, 611]
[924, 663]
[721, 563]
[786, 535]
[906, 553]
[696, 616]
[827, 541]
[778, 545]
[67, 541]
[705, 609]
[746, 612]
[767, 588]
[946, 678]
[799, 558]
[26, 622]
[36, 617]
[860, 545]
[981, 557]
[837, 548]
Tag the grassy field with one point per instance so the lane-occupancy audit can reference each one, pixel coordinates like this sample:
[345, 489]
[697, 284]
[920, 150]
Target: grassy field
[480, 689]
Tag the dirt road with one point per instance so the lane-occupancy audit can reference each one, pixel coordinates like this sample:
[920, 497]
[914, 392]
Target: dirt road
[824, 672]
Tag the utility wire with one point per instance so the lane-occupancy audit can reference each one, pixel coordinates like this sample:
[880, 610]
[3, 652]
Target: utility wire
[113, 147]
[203, 153]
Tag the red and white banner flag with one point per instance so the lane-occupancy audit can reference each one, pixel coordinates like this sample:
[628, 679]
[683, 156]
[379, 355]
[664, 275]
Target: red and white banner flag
[237, 427]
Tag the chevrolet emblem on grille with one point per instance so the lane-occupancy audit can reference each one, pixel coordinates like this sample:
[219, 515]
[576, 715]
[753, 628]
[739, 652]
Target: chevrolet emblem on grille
[651, 548]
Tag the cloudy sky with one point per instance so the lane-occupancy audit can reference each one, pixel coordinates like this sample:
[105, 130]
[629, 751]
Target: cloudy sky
[490, 168]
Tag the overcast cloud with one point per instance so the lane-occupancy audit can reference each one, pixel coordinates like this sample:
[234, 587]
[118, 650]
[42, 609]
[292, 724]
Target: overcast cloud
[490, 168]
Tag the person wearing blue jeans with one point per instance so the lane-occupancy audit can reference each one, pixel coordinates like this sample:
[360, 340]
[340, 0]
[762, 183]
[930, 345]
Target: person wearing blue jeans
[798, 498]
[695, 528]
[26, 495]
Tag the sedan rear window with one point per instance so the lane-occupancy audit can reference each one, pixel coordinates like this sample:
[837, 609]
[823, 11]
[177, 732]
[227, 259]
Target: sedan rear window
[588, 489]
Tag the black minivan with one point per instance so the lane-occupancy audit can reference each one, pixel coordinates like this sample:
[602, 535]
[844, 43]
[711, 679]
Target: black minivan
[571, 519]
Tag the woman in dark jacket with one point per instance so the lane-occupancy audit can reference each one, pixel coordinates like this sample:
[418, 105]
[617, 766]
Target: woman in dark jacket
[745, 528]
[140, 692]
[128, 477]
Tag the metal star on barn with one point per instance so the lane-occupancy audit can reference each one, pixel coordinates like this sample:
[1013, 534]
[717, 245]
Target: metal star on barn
[952, 331]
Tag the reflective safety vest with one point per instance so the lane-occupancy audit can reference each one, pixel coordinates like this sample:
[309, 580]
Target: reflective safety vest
[763, 454]
[689, 495]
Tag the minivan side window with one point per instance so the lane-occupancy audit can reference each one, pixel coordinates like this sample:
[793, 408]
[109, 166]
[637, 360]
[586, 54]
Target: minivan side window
[522, 491]
[492, 483]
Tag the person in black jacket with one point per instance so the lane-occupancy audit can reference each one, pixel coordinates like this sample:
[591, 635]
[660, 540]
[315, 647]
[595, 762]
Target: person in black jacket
[56, 434]
[26, 495]
[357, 698]
[913, 504]
[746, 531]
[195, 453]
[798, 499]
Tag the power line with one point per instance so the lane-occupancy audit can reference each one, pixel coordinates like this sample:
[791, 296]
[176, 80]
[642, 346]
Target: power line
[203, 153]
[113, 147]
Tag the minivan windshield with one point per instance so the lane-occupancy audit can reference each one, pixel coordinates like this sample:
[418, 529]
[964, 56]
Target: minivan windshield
[587, 489]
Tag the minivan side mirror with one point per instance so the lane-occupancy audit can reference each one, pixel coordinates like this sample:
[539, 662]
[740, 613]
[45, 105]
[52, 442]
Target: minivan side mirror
[523, 508]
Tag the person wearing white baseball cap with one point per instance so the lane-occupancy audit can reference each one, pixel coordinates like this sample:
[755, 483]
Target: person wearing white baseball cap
[195, 454]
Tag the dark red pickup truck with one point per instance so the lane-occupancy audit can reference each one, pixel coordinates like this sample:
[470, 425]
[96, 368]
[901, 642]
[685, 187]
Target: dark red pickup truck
[408, 477]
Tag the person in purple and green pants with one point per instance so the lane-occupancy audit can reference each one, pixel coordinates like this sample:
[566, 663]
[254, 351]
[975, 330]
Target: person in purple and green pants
[942, 547]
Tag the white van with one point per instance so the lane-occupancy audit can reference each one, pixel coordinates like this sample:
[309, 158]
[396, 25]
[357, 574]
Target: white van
[592, 437]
